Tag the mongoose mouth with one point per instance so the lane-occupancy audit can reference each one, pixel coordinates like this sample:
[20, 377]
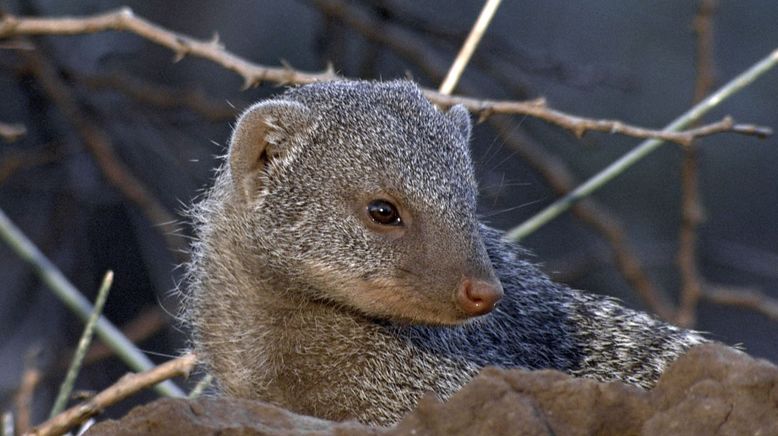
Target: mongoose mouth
[416, 304]
[419, 305]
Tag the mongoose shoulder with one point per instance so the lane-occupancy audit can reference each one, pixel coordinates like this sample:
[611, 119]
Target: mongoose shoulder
[340, 270]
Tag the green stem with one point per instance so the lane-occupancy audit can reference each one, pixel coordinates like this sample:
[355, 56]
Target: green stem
[75, 301]
[7, 424]
[83, 344]
[642, 150]
[200, 386]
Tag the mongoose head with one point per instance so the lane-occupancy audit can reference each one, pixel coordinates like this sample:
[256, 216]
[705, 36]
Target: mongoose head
[363, 194]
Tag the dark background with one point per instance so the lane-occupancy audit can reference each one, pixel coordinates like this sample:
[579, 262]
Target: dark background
[627, 60]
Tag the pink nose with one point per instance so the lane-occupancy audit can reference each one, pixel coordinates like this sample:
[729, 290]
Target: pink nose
[476, 297]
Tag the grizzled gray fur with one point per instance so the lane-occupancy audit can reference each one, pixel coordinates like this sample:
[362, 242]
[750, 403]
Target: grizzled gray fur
[298, 296]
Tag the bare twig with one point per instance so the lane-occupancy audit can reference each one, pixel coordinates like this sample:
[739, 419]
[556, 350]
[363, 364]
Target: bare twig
[691, 205]
[706, 69]
[125, 387]
[645, 148]
[12, 132]
[125, 20]
[726, 124]
[468, 48]
[579, 126]
[162, 96]
[98, 143]
[83, 344]
[253, 74]
[742, 297]
[76, 302]
[30, 380]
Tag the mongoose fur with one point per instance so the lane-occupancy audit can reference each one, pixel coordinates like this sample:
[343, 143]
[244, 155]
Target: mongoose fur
[298, 297]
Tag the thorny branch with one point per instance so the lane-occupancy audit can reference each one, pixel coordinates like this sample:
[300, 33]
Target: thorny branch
[125, 387]
[125, 20]
[691, 205]
[693, 286]
[580, 126]
[253, 74]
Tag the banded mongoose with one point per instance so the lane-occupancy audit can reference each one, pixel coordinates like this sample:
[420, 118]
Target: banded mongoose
[340, 269]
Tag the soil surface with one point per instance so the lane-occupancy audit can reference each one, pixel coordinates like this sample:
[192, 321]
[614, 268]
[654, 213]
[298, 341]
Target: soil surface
[711, 390]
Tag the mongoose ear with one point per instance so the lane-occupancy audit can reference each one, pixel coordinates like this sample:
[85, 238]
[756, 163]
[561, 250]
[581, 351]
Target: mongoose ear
[460, 116]
[263, 133]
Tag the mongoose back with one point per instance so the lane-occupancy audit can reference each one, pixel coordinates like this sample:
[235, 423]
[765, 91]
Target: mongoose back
[339, 268]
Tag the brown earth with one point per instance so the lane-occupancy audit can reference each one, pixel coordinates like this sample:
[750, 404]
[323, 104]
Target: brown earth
[711, 390]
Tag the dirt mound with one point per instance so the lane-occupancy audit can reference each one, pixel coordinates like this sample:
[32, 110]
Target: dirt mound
[711, 390]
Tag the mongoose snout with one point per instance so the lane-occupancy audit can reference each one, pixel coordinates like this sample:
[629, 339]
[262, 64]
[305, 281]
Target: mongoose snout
[477, 297]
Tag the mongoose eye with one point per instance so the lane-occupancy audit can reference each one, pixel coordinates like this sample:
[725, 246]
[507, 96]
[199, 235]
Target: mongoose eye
[384, 213]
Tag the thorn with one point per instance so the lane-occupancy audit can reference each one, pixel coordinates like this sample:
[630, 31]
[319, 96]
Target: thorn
[329, 71]
[182, 50]
[126, 12]
[484, 113]
[251, 82]
[579, 131]
[215, 41]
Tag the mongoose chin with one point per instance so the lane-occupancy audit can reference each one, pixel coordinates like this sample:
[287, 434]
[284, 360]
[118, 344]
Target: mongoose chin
[339, 268]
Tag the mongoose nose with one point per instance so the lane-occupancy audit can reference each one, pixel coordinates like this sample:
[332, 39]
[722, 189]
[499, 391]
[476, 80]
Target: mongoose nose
[476, 297]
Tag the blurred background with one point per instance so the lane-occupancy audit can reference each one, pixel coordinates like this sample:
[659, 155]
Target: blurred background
[100, 107]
